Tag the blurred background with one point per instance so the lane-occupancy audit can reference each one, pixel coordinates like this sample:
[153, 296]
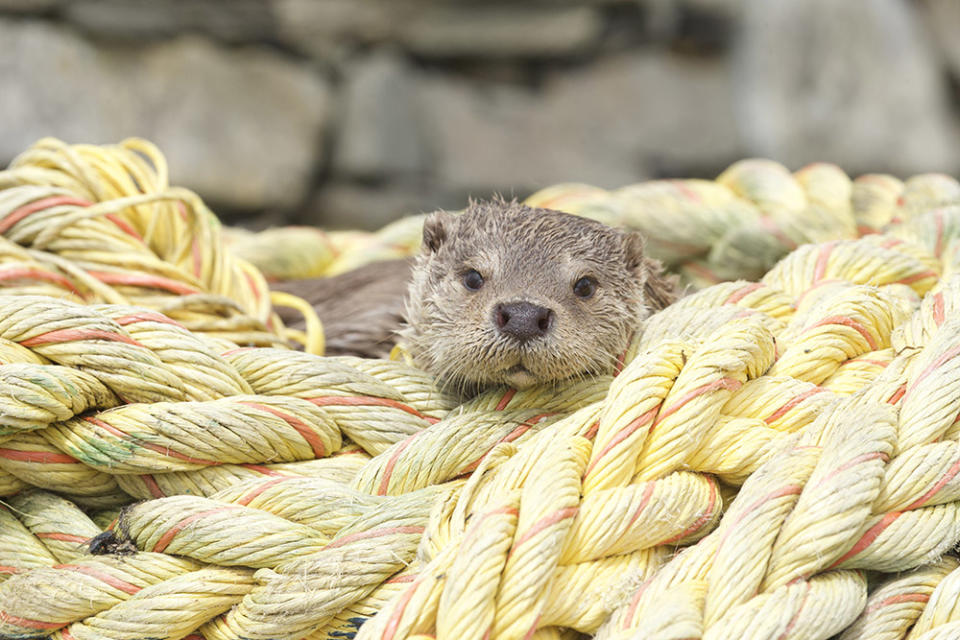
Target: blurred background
[350, 113]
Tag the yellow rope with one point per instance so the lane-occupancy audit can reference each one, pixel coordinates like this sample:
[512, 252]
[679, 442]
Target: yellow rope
[312, 338]
[784, 435]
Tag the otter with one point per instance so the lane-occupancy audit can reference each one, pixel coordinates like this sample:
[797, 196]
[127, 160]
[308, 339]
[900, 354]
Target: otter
[501, 294]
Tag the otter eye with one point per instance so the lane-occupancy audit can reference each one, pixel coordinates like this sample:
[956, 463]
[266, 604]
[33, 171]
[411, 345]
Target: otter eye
[585, 287]
[472, 280]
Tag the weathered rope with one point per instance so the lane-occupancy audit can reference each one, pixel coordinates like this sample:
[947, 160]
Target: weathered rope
[786, 436]
[102, 224]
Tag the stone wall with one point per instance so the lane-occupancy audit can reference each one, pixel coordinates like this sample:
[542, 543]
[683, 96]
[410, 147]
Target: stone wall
[352, 112]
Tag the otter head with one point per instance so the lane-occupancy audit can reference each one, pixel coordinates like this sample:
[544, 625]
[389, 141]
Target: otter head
[508, 294]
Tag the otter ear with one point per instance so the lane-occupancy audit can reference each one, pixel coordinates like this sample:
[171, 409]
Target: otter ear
[659, 288]
[633, 244]
[435, 228]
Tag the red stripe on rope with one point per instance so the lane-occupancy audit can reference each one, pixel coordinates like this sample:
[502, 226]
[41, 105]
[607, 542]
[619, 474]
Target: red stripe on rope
[237, 350]
[743, 292]
[727, 384]
[777, 232]
[878, 363]
[547, 521]
[172, 532]
[533, 627]
[823, 257]
[938, 218]
[476, 525]
[373, 533]
[197, 258]
[254, 289]
[20, 213]
[796, 614]
[622, 435]
[123, 225]
[261, 469]
[847, 322]
[27, 273]
[152, 486]
[898, 394]
[865, 457]
[63, 537]
[146, 316]
[388, 469]
[941, 360]
[703, 272]
[702, 520]
[256, 491]
[867, 539]
[938, 316]
[788, 490]
[923, 275]
[505, 400]
[368, 401]
[69, 335]
[592, 431]
[634, 602]
[947, 477]
[27, 622]
[43, 457]
[521, 429]
[105, 578]
[684, 190]
[779, 413]
[400, 579]
[644, 500]
[144, 280]
[903, 597]
[813, 288]
[390, 630]
[301, 427]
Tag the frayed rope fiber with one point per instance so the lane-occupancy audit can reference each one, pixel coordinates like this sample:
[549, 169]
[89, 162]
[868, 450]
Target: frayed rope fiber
[779, 457]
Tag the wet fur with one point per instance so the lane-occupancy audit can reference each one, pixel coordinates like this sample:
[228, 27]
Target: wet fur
[361, 309]
[524, 254]
[533, 255]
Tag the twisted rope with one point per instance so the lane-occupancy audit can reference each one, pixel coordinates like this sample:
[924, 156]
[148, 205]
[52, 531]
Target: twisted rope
[786, 435]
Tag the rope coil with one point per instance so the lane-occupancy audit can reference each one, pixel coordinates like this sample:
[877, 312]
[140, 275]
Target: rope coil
[765, 445]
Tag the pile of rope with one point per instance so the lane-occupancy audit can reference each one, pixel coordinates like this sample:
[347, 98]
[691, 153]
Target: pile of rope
[102, 225]
[777, 459]
[708, 231]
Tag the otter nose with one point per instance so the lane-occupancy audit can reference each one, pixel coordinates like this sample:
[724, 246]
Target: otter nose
[522, 320]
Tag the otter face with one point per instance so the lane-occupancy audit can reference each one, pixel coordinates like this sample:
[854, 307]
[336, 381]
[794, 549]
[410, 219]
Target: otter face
[507, 294]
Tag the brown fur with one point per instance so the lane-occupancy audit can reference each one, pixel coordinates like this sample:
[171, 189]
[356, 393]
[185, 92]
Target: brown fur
[524, 254]
[532, 255]
[361, 310]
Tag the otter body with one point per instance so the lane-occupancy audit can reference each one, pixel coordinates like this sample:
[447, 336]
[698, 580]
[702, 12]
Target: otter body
[361, 310]
[503, 294]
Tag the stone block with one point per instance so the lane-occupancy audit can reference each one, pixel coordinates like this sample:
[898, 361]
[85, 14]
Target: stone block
[852, 82]
[322, 28]
[241, 126]
[235, 21]
[348, 205]
[500, 31]
[613, 123]
[942, 18]
[380, 132]
[29, 6]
